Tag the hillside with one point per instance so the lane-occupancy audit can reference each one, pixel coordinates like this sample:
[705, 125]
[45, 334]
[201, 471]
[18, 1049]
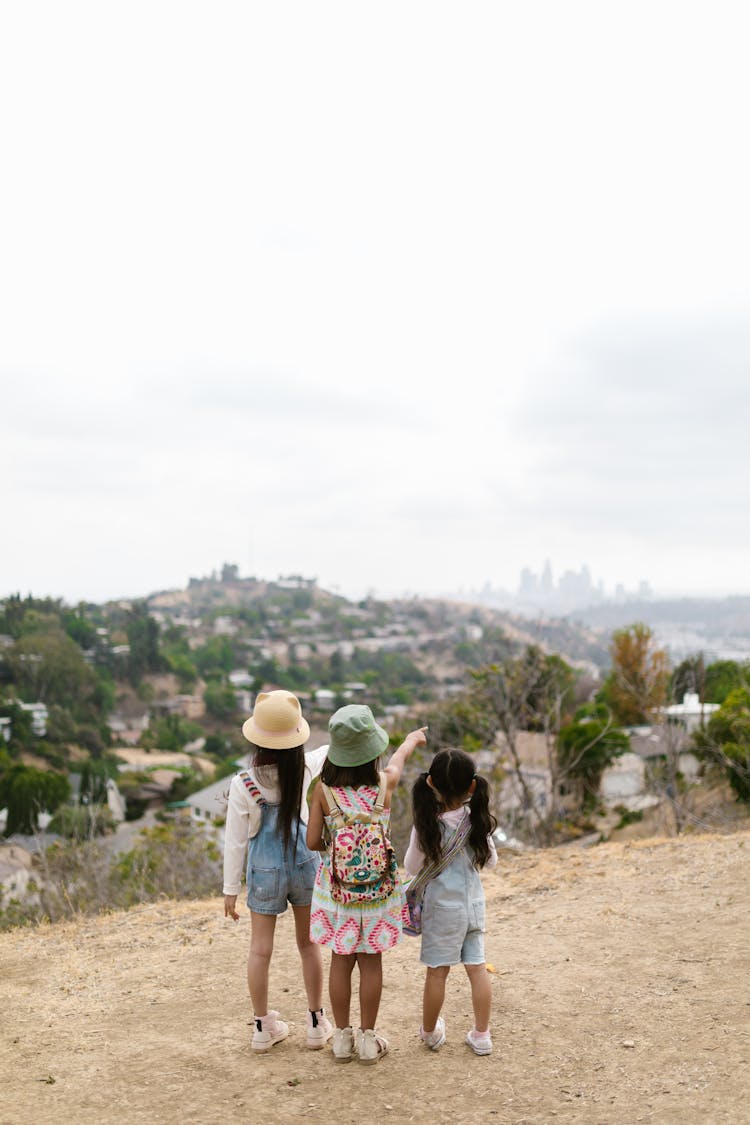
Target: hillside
[620, 997]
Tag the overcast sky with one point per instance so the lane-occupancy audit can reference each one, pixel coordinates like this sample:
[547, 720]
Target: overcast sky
[404, 296]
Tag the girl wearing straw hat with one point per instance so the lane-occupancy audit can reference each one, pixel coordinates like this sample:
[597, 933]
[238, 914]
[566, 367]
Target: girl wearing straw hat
[267, 806]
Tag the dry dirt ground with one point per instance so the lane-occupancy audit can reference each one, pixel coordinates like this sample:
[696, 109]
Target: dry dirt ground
[620, 996]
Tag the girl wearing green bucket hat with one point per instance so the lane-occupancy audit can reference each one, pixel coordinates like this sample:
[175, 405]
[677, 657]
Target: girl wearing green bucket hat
[357, 929]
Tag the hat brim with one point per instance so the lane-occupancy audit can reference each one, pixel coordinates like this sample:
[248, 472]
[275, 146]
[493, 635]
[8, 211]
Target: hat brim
[361, 752]
[284, 740]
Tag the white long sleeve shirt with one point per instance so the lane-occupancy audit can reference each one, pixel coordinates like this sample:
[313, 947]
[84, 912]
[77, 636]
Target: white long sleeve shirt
[244, 814]
[414, 858]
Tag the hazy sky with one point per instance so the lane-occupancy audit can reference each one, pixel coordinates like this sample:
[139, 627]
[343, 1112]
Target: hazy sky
[404, 296]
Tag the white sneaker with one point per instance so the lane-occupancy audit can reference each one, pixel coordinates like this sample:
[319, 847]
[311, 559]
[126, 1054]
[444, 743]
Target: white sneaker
[371, 1047]
[319, 1030]
[343, 1044]
[479, 1041]
[269, 1030]
[434, 1039]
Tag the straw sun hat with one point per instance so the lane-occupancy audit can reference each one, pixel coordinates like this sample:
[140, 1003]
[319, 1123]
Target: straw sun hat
[276, 722]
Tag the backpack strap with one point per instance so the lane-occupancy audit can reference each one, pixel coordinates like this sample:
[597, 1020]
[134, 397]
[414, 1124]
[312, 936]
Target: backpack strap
[379, 806]
[334, 809]
[253, 789]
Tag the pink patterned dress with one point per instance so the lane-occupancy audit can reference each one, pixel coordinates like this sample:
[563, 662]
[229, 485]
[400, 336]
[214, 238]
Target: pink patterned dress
[362, 927]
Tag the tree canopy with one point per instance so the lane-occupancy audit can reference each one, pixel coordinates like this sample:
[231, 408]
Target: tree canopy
[26, 792]
[637, 684]
[726, 741]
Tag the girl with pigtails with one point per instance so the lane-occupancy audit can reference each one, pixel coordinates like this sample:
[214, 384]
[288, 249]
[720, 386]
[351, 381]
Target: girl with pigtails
[451, 803]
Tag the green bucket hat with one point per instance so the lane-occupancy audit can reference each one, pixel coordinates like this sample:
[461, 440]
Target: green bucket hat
[354, 736]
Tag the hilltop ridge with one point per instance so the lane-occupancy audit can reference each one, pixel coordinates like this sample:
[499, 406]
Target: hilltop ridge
[617, 998]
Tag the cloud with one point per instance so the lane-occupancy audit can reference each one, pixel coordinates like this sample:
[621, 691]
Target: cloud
[642, 424]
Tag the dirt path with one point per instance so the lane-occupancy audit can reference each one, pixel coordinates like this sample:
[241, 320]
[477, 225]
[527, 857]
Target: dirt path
[621, 996]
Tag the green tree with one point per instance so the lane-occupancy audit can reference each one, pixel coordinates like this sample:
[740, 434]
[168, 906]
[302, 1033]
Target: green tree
[215, 657]
[220, 700]
[143, 638]
[27, 615]
[78, 627]
[169, 732]
[723, 677]
[94, 778]
[21, 736]
[26, 792]
[50, 668]
[587, 746]
[689, 676]
[726, 741]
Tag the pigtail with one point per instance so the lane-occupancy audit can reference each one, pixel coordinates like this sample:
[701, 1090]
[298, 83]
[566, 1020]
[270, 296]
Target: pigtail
[483, 823]
[452, 774]
[425, 809]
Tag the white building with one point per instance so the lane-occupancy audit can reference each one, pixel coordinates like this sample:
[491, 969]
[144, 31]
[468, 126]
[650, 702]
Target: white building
[625, 777]
[39, 716]
[691, 713]
[209, 803]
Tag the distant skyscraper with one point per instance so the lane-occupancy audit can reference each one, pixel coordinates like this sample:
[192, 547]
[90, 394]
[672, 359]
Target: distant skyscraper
[547, 584]
[527, 586]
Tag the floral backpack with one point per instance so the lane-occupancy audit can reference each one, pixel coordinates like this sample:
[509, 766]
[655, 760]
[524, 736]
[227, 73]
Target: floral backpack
[363, 866]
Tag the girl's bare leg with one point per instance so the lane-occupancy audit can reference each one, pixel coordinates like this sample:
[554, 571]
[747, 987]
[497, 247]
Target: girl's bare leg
[481, 995]
[262, 928]
[370, 987]
[434, 996]
[311, 957]
[340, 986]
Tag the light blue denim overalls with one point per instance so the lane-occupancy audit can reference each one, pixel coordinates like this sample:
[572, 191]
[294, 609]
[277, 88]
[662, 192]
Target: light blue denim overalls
[275, 877]
[453, 913]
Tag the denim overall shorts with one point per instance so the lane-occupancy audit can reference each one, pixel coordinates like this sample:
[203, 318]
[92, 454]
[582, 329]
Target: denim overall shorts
[275, 877]
[453, 915]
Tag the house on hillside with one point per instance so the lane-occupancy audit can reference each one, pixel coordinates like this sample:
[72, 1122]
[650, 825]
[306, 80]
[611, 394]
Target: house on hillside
[655, 744]
[691, 713]
[240, 678]
[209, 803]
[188, 706]
[39, 716]
[623, 782]
[625, 778]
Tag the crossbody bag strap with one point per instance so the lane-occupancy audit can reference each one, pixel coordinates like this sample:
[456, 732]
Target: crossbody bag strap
[253, 789]
[453, 845]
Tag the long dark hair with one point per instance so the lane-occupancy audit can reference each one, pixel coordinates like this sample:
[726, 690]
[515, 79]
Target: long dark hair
[351, 776]
[289, 767]
[451, 774]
